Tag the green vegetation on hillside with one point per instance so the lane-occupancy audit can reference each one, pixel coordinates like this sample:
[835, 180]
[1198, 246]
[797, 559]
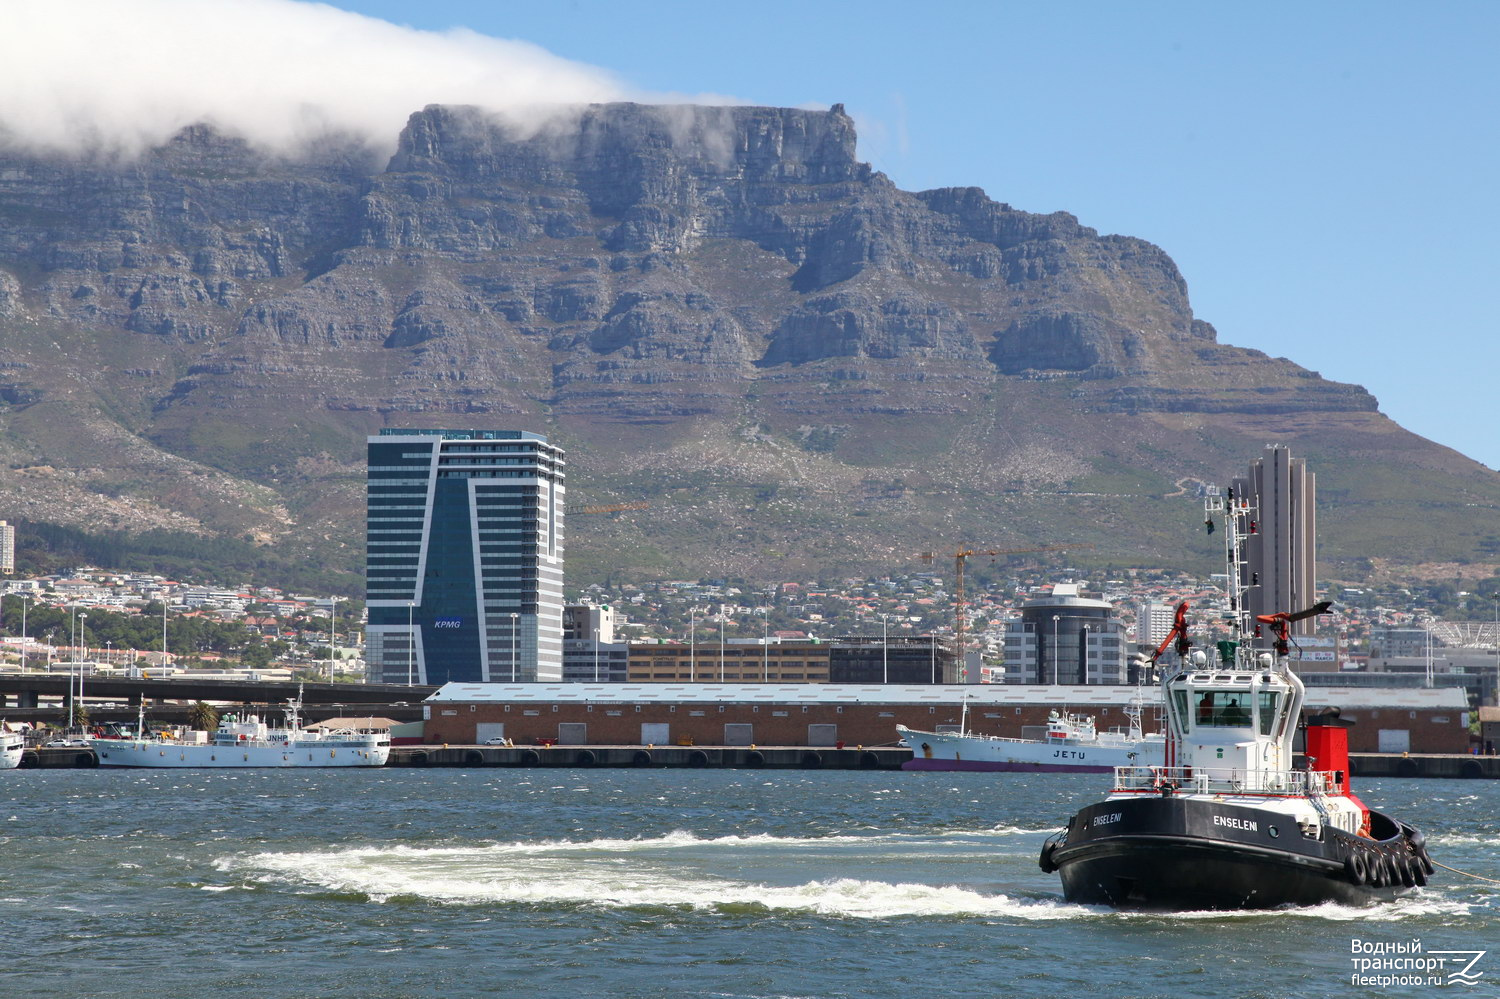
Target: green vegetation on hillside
[44, 549]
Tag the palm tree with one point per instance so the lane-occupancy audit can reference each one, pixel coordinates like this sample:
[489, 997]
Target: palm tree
[203, 716]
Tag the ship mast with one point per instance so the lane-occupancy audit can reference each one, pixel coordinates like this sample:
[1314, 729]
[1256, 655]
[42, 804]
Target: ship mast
[1238, 519]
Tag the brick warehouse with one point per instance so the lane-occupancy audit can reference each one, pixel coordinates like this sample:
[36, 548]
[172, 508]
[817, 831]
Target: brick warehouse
[1418, 720]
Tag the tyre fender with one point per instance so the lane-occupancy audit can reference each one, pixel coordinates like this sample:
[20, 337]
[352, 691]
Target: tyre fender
[1357, 868]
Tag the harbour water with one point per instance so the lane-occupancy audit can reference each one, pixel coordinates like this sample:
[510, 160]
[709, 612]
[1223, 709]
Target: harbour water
[720, 884]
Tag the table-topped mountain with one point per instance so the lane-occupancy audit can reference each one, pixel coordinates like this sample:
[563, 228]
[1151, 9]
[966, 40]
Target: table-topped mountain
[718, 310]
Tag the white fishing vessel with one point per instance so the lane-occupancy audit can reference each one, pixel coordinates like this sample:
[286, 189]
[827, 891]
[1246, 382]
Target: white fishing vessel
[247, 741]
[1228, 822]
[11, 745]
[1071, 744]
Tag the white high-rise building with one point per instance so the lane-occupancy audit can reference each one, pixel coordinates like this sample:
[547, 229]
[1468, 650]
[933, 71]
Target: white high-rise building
[1153, 622]
[464, 571]
[7, 548]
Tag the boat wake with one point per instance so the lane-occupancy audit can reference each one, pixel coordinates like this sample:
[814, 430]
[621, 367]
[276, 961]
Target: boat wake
[1425, 903]
[731, 874]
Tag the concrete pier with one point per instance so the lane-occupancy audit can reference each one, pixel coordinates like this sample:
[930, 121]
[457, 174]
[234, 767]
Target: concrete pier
[684, 757]
[1423, 765]
[1361, 765]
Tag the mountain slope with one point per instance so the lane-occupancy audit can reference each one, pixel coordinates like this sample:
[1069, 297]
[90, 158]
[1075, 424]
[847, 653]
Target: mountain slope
[718, 310]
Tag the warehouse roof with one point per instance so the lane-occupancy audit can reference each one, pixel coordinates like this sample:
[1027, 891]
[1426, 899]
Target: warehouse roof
[979, 695]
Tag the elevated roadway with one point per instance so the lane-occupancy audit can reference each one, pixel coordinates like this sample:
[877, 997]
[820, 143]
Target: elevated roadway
[26, 696]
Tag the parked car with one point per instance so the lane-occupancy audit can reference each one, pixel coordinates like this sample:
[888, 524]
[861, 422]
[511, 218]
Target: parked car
[497, 741]
[63, 743]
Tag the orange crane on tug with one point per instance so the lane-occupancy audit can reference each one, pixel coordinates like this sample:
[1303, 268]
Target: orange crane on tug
[960, 556]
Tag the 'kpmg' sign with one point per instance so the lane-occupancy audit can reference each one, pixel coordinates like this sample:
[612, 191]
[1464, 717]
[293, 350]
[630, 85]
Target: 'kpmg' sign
[448, 622]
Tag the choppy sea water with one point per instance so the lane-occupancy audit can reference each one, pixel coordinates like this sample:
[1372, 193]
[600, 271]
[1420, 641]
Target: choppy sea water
[661, 883]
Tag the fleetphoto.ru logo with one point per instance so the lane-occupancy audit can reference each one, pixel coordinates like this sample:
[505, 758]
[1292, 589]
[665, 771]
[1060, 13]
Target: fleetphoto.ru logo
[1383, 964]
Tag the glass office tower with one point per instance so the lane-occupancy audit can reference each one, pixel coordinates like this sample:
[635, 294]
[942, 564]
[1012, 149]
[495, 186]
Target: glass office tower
[464, 564]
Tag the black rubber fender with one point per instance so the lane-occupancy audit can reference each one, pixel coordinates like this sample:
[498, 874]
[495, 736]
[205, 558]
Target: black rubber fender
[1403, 870]
[418, 759]
[85, 761]
[812, 761]
[1384, 871]
[587, 758]
[1356, 867]
[1046, 861]
[697, 759]
[473, 756]
[530, 758]
[1406, 768]
[869, 761]
[756, 758]
[1471, 770]
[1373, 868]
[640, 759]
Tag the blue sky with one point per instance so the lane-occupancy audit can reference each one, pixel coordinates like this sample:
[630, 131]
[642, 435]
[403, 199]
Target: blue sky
[1324, 174]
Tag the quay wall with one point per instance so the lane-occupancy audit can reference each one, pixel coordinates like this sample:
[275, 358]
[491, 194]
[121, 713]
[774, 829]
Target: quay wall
[1362, 765]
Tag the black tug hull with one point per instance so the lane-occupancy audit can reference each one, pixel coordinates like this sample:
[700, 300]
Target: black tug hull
[1181, 853]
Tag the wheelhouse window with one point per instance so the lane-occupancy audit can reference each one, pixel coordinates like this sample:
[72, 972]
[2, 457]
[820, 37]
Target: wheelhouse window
[1268, 702]
[1181, 697]
[1224, 708]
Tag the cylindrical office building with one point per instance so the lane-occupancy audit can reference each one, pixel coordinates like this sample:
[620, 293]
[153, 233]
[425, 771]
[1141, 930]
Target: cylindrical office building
[1065, 638]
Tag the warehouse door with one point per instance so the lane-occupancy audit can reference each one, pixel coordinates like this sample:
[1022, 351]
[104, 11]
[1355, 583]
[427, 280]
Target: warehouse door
[656, 734]
[822, 735]
[573, 733]
[485, 731]
[1395, 740]
[739, 735]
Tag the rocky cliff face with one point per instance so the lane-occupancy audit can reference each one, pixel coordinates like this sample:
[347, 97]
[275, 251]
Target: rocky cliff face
[720, 310]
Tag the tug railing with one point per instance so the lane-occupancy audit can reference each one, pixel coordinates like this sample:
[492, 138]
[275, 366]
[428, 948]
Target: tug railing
[1211, 780]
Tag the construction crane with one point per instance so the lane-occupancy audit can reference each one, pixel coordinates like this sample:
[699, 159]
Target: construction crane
[959, 558]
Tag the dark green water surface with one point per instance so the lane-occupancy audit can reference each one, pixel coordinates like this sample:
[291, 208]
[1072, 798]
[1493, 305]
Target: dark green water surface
[713, 884]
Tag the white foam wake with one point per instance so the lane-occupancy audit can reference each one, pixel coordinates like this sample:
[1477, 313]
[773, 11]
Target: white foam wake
[674, 871]
[1421, 904]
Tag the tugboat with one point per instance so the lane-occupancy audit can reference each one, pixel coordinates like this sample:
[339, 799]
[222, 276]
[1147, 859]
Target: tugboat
[1227, 822]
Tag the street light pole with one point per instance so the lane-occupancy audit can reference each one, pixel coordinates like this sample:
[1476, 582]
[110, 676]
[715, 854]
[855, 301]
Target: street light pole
[885, 652]
[83, 636]
[333, 610]
[765, 651]
[1055, 618]
[515, 629]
